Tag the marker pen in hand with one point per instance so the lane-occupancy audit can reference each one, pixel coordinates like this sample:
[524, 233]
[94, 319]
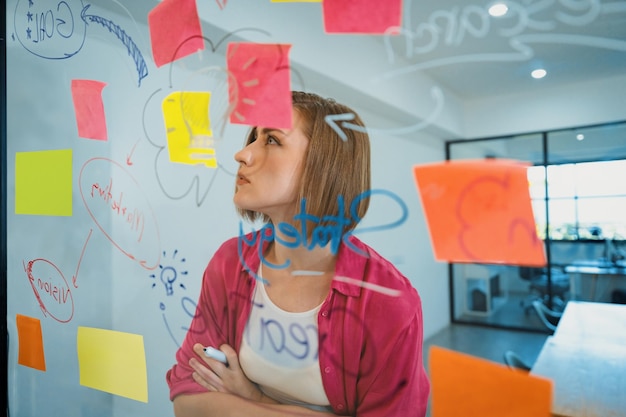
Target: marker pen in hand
[213, 353]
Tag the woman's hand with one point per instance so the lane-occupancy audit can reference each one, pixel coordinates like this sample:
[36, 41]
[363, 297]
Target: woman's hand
[218, 377]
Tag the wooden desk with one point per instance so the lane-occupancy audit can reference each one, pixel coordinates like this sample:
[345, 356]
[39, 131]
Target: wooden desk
[586, 360]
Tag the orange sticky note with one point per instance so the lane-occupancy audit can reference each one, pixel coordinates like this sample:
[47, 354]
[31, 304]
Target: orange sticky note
[480, 211]
[89, 109]
[175, 30]
[30, 340]
[463, 385]
[260, 84]
[361, 16]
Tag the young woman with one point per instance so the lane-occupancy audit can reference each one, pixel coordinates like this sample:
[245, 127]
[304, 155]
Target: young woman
[311, 320]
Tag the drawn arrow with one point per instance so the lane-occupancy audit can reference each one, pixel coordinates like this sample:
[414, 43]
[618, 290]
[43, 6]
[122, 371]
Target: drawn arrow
[128, 161]
[75, 276]
[133, 49]
[332, 120]
[339, 122]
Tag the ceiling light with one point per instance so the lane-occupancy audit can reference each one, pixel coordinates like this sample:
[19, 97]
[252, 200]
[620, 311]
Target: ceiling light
[538, 73]
[498, 9]
[580, 136]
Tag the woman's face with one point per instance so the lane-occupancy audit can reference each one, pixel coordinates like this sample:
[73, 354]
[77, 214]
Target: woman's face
[269, 171]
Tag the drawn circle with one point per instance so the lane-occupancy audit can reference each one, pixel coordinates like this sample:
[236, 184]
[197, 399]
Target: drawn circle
[52, 30]
[51, 289]
[115, 201]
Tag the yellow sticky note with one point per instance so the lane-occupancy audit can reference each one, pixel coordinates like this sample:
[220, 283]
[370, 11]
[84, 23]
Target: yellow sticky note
[43, 183]
[112, 361]
[188, 126]
[30, 339]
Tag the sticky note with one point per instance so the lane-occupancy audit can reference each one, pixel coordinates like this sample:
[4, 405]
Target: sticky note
[30, 339]
[480, 212]
[113, 362]
[175, 30]
[463, 385]
[260, 84]
[362, 16]
[188, 127]
[89, 109]
[43, 183]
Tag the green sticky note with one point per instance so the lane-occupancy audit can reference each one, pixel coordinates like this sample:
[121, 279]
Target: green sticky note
[43, 183]
[113, 362]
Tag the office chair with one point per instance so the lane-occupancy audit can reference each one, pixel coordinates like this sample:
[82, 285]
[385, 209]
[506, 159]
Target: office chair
[549, 318]
[515, 362]
[538, 286]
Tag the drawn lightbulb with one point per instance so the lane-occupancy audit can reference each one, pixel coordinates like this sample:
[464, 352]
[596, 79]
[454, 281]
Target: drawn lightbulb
[168, 276]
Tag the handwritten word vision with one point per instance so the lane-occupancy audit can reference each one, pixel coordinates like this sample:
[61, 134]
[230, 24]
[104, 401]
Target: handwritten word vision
[51, 289]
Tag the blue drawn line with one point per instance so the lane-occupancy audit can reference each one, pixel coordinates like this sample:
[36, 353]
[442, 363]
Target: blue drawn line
[133, 50]
[167, 326]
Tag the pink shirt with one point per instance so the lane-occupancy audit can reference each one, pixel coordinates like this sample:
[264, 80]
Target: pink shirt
[370, 342]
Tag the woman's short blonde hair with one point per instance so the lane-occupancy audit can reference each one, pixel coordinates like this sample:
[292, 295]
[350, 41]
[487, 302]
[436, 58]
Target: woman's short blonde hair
[334, 167]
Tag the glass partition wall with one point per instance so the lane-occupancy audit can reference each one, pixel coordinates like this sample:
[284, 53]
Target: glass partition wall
[577, 185]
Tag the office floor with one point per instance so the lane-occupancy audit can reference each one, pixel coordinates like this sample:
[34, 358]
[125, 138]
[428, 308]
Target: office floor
[487, 343]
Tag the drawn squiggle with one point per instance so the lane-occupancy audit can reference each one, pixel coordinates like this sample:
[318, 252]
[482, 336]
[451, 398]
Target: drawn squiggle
[133, 50]
[195, 183]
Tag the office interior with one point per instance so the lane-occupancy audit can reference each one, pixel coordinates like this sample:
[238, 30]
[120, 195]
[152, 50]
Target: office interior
[462, 94]
[579, 219]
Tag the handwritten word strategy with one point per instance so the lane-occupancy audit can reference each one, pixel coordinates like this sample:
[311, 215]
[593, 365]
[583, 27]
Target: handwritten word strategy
[327, 230]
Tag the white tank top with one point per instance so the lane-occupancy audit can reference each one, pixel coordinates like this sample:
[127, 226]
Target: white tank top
[279, 352]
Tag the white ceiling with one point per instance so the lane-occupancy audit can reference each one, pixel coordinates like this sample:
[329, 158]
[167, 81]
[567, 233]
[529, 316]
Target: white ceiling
[453, 44]
[462, 47]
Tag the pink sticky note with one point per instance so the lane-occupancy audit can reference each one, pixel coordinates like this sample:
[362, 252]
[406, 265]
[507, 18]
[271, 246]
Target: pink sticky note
[89, 109]
[361, 16]
[175, 30]
[260, 84]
